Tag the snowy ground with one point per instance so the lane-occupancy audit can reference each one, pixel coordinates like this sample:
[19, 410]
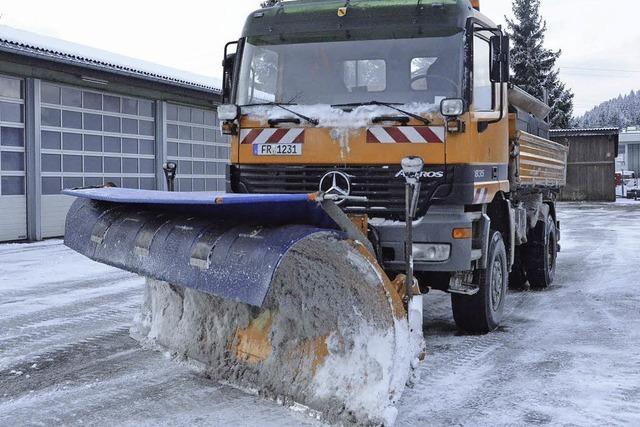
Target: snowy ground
[566, 356]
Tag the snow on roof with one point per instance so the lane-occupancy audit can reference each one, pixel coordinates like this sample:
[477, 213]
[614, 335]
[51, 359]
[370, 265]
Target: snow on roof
[585, 131]
[31, 44]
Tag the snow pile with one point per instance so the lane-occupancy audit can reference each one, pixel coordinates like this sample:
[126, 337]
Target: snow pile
[338, 341]
[387, 373]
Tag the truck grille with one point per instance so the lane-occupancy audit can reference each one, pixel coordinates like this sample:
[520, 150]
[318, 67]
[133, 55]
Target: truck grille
[385, 192]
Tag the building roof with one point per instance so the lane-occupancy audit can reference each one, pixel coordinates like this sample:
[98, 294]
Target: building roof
[51, 49]
[604, 131]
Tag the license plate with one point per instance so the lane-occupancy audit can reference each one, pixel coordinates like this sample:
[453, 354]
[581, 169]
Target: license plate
[277, 149]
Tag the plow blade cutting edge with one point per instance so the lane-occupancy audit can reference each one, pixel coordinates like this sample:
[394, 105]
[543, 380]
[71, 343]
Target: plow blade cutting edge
[268, 292]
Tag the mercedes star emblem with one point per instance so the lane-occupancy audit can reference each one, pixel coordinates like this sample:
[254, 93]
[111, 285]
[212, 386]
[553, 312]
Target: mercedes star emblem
[336, 183]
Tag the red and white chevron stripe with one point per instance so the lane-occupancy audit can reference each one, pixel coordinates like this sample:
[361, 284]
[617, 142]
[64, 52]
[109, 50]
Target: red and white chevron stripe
[480, 196]
[406, 135]
[272, 136]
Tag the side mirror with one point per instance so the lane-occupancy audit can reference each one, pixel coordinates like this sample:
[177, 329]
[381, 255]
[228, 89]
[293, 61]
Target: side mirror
[228, 66]
[500, 49]
[229, 61]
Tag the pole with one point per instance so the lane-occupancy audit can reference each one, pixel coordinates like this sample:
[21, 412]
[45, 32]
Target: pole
[408, 241]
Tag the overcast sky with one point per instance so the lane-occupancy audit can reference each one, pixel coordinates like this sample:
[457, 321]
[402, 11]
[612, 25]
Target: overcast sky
[600, 40]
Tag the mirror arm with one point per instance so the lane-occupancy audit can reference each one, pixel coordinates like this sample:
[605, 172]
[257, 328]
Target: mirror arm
[503, 79]
[501, 116]
[226, 71]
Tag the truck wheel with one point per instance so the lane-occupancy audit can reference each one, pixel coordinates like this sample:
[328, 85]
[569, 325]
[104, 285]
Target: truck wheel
[541, 255]
[482, 313]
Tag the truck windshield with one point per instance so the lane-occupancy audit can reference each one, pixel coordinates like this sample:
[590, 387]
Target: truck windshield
[424, 70]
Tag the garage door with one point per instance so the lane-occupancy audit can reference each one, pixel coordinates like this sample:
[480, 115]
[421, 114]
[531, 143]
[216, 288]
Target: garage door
[13, 204]
[92, 138]
[194, 141]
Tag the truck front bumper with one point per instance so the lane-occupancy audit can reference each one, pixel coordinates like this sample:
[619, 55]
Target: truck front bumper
[435, 228]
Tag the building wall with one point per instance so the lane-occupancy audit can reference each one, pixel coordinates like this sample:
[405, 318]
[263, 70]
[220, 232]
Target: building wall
[632, 158]
[13, 208]
[90, 138]
[195, 143]
[590, 168]
[84, 136]
[630, 149]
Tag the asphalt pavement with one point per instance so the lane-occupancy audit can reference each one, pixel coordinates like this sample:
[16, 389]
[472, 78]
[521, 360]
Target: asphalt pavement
[564, 356]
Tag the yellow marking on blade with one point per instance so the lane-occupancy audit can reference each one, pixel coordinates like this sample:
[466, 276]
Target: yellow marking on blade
[361, 221]
[314, 349]
[321, 351]
[253, 344]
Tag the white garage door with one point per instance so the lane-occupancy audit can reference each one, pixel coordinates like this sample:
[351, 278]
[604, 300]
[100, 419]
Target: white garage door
[13, 203]
[92, 138]
[195, 143]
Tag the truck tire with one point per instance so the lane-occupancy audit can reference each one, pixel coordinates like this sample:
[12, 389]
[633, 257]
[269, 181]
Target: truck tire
[541, 254]
[482, 313]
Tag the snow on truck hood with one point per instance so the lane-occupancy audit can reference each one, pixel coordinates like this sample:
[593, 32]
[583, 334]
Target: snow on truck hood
[334, 117]
[343, 124]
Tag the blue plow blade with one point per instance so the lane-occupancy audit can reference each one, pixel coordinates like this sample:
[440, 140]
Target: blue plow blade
[227, 245]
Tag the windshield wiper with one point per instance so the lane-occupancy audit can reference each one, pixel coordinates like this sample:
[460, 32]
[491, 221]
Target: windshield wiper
[282, 105]
[391, 105]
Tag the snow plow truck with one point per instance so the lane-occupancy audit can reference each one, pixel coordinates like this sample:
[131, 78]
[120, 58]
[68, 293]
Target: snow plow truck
[378, 152]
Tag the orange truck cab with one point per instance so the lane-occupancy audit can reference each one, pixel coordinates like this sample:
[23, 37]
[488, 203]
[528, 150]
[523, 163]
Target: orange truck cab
[330, 97]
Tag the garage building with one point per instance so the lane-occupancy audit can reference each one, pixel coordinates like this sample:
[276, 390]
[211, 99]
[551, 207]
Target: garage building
[72, 116]
[629, 158]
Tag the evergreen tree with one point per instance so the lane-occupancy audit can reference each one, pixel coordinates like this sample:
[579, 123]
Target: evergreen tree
[622, 111]
[533, 65]
[269, 3]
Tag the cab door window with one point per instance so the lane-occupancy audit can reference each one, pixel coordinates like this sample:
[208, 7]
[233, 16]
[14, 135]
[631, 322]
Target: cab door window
[482, 86]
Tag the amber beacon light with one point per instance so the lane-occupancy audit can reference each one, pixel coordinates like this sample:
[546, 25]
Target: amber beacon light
[475, 4]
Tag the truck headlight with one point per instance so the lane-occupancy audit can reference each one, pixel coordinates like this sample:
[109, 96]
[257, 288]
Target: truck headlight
[428, 252]
[228, 112]
[451, 107]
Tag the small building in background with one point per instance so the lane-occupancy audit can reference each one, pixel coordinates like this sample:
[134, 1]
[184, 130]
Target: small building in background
[629, 156]
[591, 163]
[73, 116]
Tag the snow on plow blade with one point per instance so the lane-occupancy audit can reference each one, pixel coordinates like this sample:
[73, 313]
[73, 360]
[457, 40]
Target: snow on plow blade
[265, 291]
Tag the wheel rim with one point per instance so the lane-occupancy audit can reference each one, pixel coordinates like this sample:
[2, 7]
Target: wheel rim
[497, 281]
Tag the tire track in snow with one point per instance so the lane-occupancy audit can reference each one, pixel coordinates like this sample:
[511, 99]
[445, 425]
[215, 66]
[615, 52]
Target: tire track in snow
[57, 287]
[109, 377]
[46, 368]
[450, 362]
[468, 348]
[34, 247]
[42, 338]
[125, 291]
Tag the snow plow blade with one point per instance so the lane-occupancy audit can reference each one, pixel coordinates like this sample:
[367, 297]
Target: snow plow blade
[266, 291]
[225, 249]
